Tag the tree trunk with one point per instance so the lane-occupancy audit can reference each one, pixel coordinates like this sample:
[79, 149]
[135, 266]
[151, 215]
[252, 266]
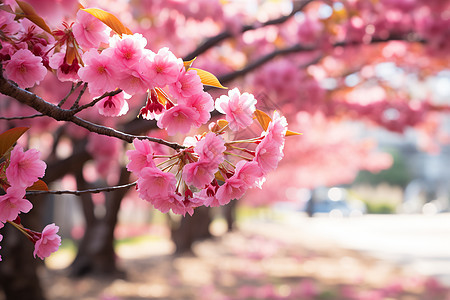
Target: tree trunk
[18, 270]
[191, 229]
[96, 254]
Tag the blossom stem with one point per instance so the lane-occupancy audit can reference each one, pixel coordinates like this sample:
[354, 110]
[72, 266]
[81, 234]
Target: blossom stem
[237, 155]
[21, 229]
[230, 163]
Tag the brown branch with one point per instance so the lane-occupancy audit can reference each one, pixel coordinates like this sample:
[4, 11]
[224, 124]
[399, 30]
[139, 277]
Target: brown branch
[10, 89]
[213, 41]
[299, 48]
[21, 118]
[87, 191]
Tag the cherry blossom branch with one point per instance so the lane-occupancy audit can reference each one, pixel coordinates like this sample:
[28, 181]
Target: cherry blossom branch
[78, 193]
[21, 118]
[93, 102]
[59, 114]
[213, 41]
[72, 89]
[83, 89]
[300, 48]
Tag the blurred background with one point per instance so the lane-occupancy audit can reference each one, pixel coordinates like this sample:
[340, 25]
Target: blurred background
[358, 208]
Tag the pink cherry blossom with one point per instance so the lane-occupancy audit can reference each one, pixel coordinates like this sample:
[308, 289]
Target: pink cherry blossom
[104, 149]
[249, 172]
[1, 238]
[155, 184]
[268, 154]
[238, 108]
[277, 127]
[99, 72]
[199, 173]
[178, 119]
[233, 188]
[208, 196]
[128, 50]
[89, 31]
[187, 85]
[134, 79]
[142, 157]
[7, 23]
[172, 201]
[13, 203]
[113, 106]
[24, 167]
[25, 69]
[165, 67]
[202, 103]
[211, 148]
[48, 243]
[64, 71]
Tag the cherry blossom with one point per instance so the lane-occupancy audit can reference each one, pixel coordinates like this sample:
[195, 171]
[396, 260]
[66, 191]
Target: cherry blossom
[238, 108]
[202, 103]
[48, 242]
[154, 184]
[199, 173]
[25, 69]
[187, 85]
[135, 79]
[178, 119]
[13, 203]
[128, 50]
[99, 71]
[211, 148]
[89, 31]
[268, 154]
[113, 106]
[142, 157]
[165, 67]
[64, 70]
[1, 238]
[24, 167]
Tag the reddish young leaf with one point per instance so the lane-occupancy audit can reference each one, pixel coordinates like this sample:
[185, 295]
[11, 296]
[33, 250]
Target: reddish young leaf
[219, 176]
[38, 186]
[109, 19]
[263, 118]
[162, 96]
[188, 64]
[208, 78]
[31, 15]
[9, 137]
[290, 132]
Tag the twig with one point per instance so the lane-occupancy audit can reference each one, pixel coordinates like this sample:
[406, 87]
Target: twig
[96, 100]
[72, 89]
[21, 118]
[212, 41]
[83, 89]
[78, 193]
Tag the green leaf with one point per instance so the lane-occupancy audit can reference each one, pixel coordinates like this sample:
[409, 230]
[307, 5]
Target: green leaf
[109, 19]
[208, 78]
[9, 137]
[38, 186]
[262, 118]
[31, 15]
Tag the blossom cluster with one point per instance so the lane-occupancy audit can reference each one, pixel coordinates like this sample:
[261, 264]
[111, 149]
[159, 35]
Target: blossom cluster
[20, 171]
[89, 53]
[209, 171]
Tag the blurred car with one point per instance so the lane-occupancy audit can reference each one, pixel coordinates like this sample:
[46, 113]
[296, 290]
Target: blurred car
[332, 202]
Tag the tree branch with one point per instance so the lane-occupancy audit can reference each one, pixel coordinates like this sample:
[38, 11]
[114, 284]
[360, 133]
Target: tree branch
[212, 41]
[78, 193]
[60, 114]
